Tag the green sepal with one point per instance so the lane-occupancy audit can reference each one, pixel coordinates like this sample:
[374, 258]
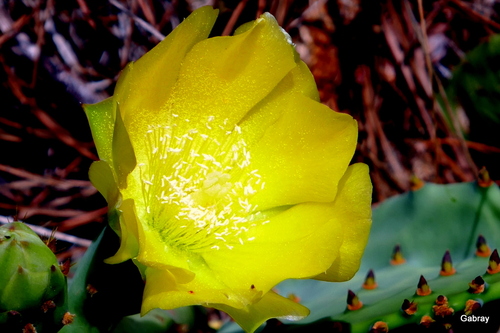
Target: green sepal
[101, 118]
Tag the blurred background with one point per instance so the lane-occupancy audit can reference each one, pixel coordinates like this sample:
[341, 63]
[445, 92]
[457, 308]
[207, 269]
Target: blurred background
[421, 77]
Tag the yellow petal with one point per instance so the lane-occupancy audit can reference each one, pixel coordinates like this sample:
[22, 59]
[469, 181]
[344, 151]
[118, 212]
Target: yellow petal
[270, 306]
[171, 287]
[354, 200]
[101, 176]
[145, 85]
[302, 241]
[299, 81]
[304, 154]
[164, 290]
[283, 248]
[218, 74]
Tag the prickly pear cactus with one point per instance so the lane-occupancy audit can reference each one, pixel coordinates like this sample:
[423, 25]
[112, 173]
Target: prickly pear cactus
[32, 286]
[431, 265]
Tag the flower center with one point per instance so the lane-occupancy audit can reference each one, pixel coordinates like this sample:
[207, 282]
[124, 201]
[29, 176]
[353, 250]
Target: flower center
[197, 185]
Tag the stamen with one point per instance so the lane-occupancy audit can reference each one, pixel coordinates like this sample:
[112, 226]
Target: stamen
[192, 206]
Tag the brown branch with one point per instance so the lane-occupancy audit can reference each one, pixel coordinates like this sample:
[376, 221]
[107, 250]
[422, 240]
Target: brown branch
[481, 18]
[62, 134]
[50, 233]
[481, 147]
[82, 219]
[63, 184]
[234, 17]
[28, 211]
[143, 24]
[14, 28]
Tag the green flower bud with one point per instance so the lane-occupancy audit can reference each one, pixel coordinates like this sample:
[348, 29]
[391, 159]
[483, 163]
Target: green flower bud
[30, 274]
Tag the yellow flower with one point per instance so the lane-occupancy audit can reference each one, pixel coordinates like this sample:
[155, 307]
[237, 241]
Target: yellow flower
[224, 175]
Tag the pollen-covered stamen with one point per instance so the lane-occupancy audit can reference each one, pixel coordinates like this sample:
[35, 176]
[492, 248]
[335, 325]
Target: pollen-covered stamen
[198, 183]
